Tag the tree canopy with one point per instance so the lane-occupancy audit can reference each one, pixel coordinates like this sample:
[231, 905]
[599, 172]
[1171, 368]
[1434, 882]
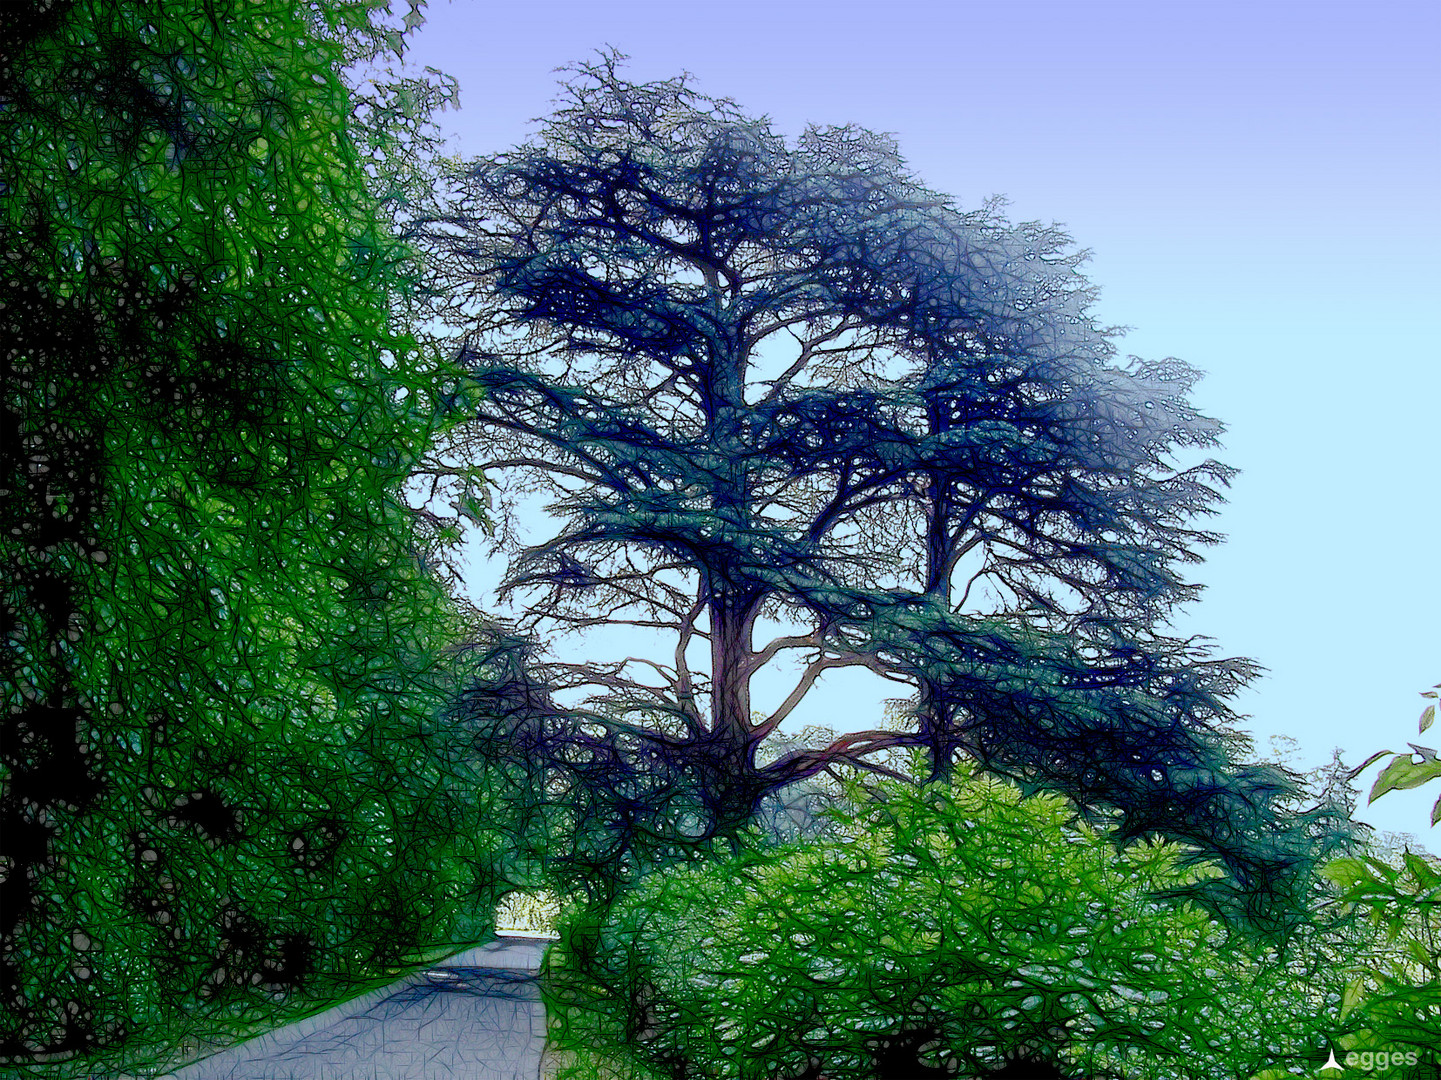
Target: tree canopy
[784, 389]
[225, 774]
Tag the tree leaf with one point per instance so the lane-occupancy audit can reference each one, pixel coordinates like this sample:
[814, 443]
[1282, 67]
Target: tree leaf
[1347, 872]
[1421, 954]
[1428, 717]
[1351, 996]
[1382, 871]
[473, 505]
[1424, 873]
[1403, 774]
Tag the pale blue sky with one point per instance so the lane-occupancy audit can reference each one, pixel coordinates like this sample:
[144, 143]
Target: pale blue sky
[1257, 182]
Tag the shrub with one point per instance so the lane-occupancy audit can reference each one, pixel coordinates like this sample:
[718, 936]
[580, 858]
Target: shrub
[944, 931]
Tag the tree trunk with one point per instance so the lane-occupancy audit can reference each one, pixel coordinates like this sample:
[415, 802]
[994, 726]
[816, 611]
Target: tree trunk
[934, 718]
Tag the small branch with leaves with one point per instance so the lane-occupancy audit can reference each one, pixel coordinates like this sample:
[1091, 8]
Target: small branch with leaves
[1404, 771]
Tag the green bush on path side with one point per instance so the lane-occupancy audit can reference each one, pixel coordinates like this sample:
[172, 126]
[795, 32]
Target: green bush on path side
[945, 931]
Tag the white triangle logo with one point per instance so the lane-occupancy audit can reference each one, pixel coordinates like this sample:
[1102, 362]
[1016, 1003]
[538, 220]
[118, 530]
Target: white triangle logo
[1331, 1062]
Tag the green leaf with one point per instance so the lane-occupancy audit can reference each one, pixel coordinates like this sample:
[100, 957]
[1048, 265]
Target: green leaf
[1351, 996]
[1422, 954]
[1428, 717]
[1403, 774]
[1436, 812]
[1382, 871]
[472, 506]
[1347, 872]
[1425, 875]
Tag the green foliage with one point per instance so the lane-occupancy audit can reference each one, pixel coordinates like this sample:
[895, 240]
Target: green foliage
[1393, 968]
[226, 786]
[941, 931]
[1393, 993]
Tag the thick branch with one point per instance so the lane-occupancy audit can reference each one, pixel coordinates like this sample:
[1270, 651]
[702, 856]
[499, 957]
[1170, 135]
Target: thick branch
[811, 674]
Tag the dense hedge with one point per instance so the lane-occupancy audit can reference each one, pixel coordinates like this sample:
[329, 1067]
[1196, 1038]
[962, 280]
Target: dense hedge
[225, 784]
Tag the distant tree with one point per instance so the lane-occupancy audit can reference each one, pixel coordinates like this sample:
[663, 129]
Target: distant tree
[790, 387]
[225, 777]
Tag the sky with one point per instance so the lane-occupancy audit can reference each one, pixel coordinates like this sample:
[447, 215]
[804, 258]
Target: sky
[1257, 184]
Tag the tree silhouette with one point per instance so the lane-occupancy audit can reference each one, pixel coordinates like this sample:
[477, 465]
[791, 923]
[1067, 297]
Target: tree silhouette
[774, 386]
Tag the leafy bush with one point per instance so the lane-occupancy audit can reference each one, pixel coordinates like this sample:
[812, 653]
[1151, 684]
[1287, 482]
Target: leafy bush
[944, 931]
[1393, 965]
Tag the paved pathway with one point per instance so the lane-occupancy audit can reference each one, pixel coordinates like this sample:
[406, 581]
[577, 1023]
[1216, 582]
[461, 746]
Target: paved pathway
[475, 1016]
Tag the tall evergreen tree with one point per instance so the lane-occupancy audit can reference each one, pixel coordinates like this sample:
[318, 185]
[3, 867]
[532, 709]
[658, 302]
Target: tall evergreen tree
[224, 775]
[786, 385]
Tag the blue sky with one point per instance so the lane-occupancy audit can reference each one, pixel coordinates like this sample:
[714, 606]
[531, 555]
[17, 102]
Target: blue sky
[1257, 183]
